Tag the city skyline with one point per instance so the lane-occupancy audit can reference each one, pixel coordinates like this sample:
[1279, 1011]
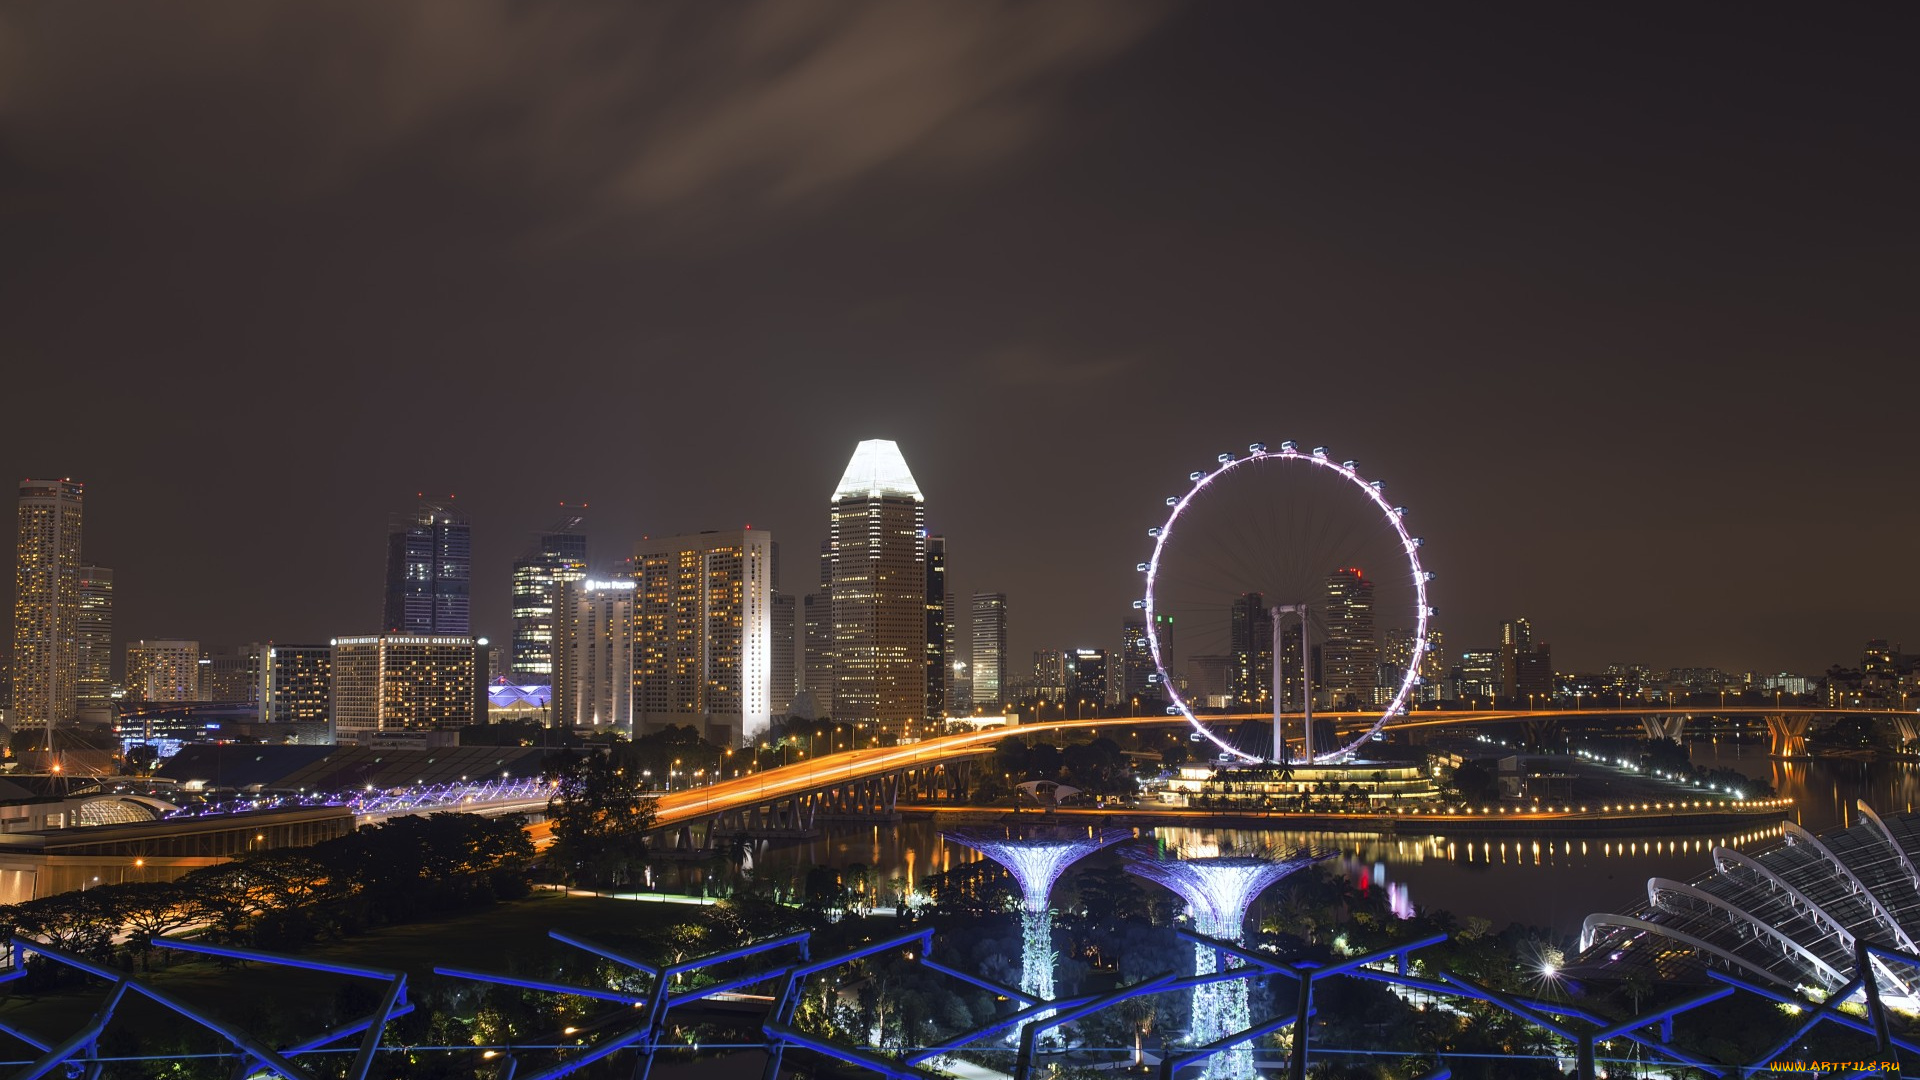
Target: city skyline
[1558, 323]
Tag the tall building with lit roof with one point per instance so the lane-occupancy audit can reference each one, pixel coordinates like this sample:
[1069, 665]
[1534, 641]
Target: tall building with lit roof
[429, 563]
[703, 632]
[94, 632]
[593, 665]
[46, 603]
[558, 557]
[1350, 657]
[879, 586]
[989, 635]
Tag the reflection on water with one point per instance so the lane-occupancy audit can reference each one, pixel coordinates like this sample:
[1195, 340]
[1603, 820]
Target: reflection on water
[1553, 882]
[1824, 790]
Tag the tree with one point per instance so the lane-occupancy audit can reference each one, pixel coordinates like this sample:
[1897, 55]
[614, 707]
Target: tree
[600, 818]
[150, 909]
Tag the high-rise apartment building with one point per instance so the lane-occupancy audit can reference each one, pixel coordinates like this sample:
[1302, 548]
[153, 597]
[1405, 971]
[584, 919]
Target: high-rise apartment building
[163, 670]
[1136, 667]
[429, 562]
[1350, 657]
[937, 628]
[1293, 669]
[1526, 669]
[297, 684]
[785, 666]
[46, 603]
[1433, 668]
[558, 556]
[401, 682]
[94, 630]
[1251, 646]
[989, 634]
[879, 587]
[1050, 675]
[593, 654]
[703, 634]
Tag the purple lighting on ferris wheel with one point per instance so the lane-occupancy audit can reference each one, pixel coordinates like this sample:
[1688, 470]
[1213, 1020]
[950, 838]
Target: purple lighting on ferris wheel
[1395, 517]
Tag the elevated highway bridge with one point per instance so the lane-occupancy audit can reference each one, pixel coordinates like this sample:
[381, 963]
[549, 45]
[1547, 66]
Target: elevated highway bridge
[865, 784]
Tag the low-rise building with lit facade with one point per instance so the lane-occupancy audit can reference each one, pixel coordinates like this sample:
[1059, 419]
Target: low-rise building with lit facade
[1298, 787]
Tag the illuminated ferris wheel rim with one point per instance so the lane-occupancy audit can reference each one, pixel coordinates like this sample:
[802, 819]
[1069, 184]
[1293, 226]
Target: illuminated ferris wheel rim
[1396, 520]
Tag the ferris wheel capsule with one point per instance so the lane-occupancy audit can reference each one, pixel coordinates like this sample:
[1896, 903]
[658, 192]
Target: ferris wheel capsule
[1257, 448]
[1138, 604]
[1226, 459]
[1142, 567]
[1320, 452]
[1173, 500]
[1196, 477]
[1349, 464]
[1289, 447]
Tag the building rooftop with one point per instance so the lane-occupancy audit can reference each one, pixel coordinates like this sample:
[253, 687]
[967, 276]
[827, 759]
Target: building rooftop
[877, 470]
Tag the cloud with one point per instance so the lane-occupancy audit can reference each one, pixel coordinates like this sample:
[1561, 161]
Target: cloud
[624, 107]
[1033, 366]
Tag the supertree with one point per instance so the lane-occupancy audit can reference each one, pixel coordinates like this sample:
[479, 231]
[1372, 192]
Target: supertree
[1036, 860]
[1218, 890]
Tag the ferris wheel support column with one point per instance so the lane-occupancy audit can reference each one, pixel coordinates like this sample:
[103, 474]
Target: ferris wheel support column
[1279, 699]
[1306, 689]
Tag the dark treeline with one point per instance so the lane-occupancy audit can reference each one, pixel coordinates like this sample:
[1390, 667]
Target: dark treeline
[407, 869]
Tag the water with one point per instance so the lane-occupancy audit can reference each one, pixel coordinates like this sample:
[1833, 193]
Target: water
[1555, 883]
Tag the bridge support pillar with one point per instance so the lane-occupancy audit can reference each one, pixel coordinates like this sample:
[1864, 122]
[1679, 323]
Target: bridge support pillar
[1787, 736]
[1907, 729]
[1545, 734]
[1665, 727]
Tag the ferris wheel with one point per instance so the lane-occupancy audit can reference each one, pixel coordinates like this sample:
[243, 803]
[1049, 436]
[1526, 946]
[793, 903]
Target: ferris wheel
[1325, 544]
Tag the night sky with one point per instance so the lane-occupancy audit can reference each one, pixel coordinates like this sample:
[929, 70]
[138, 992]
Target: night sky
[1621, 303]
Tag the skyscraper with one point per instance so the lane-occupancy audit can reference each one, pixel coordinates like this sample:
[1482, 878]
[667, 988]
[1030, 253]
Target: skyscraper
[816, 661]
[937, 657]
[1350, 657]
[989, 650]
[1086, 680]
[703, 635]
[879, 536]
[1050, 675]
[1252, 648]
[429, 556]
[1433, 667]
[593, 654]
[1136, 667]
[559, 555]
[786, 656]
[46, 603]
[1523, 674]
[95, 635]
[163, 670]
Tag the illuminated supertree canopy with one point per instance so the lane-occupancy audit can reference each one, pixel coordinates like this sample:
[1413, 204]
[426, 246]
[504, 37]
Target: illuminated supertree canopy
[1036, 860]
[1218, 890]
